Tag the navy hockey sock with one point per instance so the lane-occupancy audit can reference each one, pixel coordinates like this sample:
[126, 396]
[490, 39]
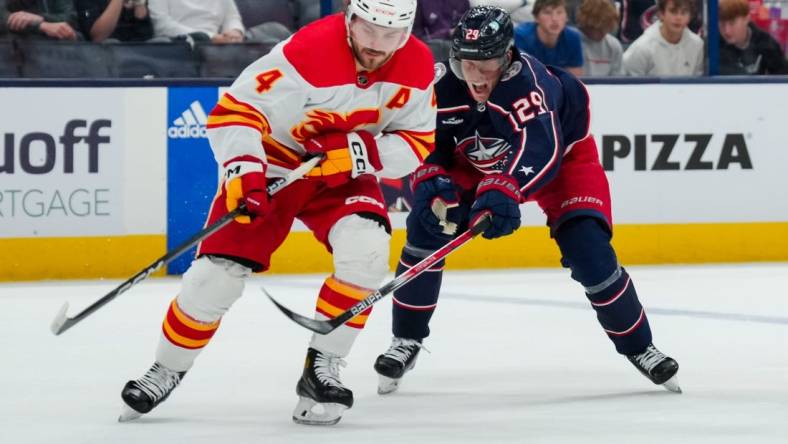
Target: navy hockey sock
[585, 246]
[415, 302]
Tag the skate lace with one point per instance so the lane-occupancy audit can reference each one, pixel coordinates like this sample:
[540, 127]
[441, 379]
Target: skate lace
[158, 381]
[650, 358]
[327, 369]
[401, 349]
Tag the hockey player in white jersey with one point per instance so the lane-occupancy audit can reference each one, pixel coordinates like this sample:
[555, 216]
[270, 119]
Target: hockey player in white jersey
[355, 88]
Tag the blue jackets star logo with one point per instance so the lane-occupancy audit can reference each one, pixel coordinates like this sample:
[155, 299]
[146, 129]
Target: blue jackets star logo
[485, 153]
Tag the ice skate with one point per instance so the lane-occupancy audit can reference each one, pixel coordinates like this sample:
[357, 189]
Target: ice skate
[657, 367]
[395, 362]
[322, 397]
[142, 395]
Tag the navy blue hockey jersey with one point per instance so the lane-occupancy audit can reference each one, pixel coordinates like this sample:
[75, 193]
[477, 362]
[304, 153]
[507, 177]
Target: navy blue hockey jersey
[532, 117]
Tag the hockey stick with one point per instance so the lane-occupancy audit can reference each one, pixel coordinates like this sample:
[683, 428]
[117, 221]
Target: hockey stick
[327, 326]
[62, 322]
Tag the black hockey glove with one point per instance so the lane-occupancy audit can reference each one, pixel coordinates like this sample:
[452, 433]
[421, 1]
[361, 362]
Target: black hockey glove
[435, 200]
[499, 195]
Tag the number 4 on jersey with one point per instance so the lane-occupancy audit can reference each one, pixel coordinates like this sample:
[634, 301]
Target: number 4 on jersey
[266, 80]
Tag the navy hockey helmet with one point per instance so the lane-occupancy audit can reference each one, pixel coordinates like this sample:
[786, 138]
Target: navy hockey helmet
[484, 32]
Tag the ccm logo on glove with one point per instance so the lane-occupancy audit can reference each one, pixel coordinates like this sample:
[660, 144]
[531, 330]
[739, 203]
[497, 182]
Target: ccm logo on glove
[244, 181]
[346, 156]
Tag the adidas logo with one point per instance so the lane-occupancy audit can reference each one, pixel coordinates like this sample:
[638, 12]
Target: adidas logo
[191, 123]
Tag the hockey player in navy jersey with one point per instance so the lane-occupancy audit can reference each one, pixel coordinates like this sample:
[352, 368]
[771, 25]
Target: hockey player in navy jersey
[511, 130]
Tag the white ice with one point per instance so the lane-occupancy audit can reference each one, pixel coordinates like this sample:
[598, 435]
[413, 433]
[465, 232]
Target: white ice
[516, 357]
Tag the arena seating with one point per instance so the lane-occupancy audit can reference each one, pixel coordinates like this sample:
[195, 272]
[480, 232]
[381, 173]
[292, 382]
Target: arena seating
[55, 59]
[255, 12]
[307, 11]
[228, 60]
[135, 60]
[39, 58]
[9, 62]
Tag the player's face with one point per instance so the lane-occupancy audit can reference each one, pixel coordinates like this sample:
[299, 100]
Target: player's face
[552, 20]
[481, 77]
[675, 19]
[735, 32]
[372, 44]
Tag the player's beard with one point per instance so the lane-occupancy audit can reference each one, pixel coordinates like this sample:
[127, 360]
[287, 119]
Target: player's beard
[370, 59]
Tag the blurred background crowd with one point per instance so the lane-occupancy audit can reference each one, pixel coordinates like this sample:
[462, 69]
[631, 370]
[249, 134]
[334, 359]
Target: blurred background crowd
[218, 38]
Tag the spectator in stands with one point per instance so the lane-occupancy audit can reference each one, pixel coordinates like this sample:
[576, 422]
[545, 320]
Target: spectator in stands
[217, 21]
[54, 19]
[602, 52]
[435, 19]
[114, 20]
[549, 39]
[637, 15]
[745, 48]
[668, 47]
[3, 19]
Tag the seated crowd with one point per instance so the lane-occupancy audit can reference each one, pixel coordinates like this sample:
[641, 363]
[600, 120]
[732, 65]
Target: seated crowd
[215, 21]
[586, 37]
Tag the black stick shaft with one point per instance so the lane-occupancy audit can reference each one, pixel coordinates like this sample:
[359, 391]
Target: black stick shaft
[63, 323]
[150, 269]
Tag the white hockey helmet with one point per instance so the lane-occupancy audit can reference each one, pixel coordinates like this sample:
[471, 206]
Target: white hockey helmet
[388, 13]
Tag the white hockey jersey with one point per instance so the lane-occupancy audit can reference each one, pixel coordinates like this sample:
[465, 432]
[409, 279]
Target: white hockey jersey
[308, 85]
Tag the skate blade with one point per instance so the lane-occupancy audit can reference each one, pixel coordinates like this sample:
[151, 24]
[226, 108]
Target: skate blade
[672, 385]
[387, 385]
[309, 412]
[128, 414]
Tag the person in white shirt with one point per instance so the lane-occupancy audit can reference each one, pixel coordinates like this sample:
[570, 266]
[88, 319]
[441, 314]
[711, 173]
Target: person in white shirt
[668, 47]
[602, 52]
[507, 5]
[217, 21]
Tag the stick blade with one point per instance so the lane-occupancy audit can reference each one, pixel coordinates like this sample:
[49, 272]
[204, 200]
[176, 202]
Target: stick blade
[59, 323]
[320, 327]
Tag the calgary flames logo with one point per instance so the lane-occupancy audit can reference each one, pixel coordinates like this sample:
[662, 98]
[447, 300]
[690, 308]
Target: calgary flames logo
[321, 122]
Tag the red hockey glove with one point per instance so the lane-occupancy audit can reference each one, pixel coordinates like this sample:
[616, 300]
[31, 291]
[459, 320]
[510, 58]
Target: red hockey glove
[499, 195]
[244, 181]
[347, 156]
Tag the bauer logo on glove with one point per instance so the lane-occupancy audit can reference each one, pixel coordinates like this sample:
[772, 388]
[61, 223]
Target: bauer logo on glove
[499, 196]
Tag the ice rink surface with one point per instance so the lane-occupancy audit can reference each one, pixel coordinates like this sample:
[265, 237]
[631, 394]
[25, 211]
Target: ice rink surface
[516, 357]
